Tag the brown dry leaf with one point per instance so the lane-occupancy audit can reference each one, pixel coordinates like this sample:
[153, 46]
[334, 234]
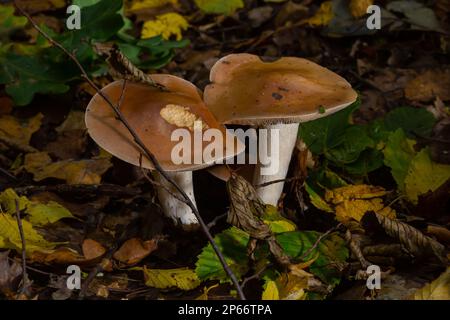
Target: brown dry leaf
[17, 130]
[34, 6]
[68, 145]
[134, 250]
[429, 85]
[439, 289]
[92, 249]
[9, 273]
[87, 171]
[63, 256]
[412, 239]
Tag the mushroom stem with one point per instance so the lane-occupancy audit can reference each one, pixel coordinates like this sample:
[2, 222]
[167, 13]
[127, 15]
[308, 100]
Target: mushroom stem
[172, 207]
[286, 143]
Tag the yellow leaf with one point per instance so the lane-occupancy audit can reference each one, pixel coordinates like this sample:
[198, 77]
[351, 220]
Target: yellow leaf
[358, 8]
[38, 213]
[10, 235]
[424, 175]
[323, 16]
[74, 172]
[317, 200]
[352, 202]
[166, 25]
[439, 289]
[271, 291]
[18, 131]
[183, 278]
[206, 290]
[149, 4]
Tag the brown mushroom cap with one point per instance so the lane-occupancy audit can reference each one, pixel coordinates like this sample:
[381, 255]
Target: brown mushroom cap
[246, 90]
[141, 106]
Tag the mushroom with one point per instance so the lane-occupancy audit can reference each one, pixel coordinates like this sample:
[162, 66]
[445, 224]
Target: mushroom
[154, 115]
[276, 96]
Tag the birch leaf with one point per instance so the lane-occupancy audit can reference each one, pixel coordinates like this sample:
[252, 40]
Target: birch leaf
[182, 278]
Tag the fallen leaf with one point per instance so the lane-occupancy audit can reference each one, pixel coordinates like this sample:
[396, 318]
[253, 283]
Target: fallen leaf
[411, 238]
[323, 16]
[439, 289]
[424, 175]
[73, 172]
[165, 25]
[358, 8]
[271, 291]
[429, 85]
[19, 131]
[92, 249]
[226, 7]
[134, 250]
[34, 6]
[149, 4]
[9, 273]
[206, 290]
[182, 278]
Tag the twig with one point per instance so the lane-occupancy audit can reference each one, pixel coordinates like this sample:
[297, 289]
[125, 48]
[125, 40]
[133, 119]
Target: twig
[265, 184]
[143, 148]
[356, 250]
[322, 236]
[216, 219]
[254, 276]
[109, 189]
[24, 253]
[8, 175]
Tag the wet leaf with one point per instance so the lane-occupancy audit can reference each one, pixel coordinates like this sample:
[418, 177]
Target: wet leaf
[182, 278]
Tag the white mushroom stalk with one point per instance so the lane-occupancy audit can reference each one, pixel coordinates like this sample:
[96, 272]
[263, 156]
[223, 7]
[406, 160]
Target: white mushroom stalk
[284, 147]
[172, 207]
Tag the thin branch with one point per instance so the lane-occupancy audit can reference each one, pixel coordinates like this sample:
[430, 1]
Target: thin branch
[143, 148]
[24, 253]
[322, 236]
[109, 189]
[216, 219]
[265, 184]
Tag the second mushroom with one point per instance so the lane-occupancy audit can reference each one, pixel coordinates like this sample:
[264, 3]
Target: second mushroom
[277, 95]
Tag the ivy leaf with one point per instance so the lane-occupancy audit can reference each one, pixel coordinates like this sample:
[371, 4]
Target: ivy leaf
[326, 133]
[233, 244]
[411, 120]
[226, 7]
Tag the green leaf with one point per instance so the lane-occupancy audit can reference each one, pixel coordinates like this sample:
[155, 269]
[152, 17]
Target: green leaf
[8, 21]
[317, 200]
[233, 244]
[25, 76]
[276, 222]
[368, 161]
[398, 154]
[411, 120]
[331, 250]
[355, 141]
[424, 175]
[326, 133]
[225, 7]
